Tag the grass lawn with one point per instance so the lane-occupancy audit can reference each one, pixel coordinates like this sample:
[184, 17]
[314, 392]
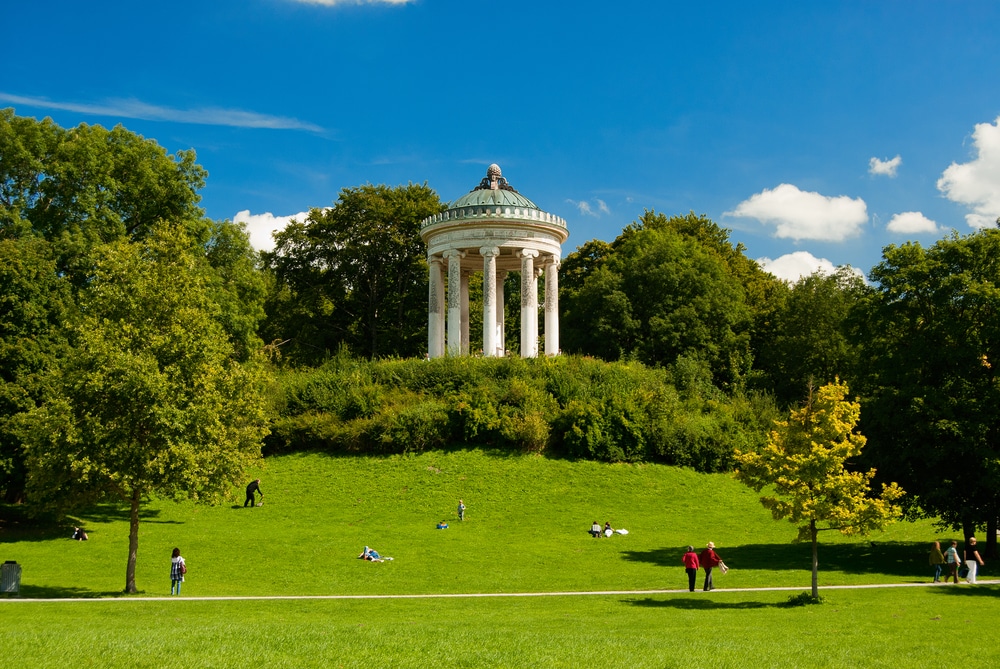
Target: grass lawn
[525, 531]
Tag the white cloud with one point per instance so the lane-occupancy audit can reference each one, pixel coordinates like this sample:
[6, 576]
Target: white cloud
[132, 108]
[793, 266]
[586, 209]
[976, 184]
[911, 222]
[260, 226]
[797, 214]
[884, 167]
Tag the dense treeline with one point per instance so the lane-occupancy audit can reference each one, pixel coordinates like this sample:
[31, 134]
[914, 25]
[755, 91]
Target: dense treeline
[681, 348]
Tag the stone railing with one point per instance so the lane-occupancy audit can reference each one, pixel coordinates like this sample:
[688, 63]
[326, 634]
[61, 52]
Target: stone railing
[492, 211]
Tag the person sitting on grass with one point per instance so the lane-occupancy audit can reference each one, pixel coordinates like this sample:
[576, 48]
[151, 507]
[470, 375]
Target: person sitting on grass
[442, 525]
[595, 530]
[608, 530]
[79, 534]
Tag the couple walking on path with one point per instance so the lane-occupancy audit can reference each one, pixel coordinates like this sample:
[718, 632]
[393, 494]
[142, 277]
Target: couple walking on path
[707, 560]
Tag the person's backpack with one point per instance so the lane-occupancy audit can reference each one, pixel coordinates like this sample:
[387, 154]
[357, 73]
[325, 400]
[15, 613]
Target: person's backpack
[184, 568]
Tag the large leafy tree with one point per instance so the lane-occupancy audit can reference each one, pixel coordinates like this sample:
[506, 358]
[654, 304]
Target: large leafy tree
[354, 274]
[805, 468]
[64, 193]
[666, 289]
[809, 342]
[932, 350]
[151, 399]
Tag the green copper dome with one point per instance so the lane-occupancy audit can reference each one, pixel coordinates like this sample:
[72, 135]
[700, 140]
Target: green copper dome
[494, 190]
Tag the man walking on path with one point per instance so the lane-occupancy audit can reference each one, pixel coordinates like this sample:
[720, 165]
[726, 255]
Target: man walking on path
[251, 489]
[972, 559]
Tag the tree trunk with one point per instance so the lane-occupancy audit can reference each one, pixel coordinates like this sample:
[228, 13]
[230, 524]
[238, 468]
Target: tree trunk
[815, 575]
[133, 542]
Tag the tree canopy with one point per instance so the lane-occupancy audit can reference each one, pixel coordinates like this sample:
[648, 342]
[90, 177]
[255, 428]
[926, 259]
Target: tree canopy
[805, 468]
[931, 342]
[354, 274]
[150, 398]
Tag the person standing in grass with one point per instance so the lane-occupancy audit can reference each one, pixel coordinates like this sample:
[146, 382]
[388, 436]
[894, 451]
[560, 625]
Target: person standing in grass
[461, 510]
[691, 565]
[177, 570]
[951, 559]
[937, 560]
[972, 559]
[709, 559]
[254, 487]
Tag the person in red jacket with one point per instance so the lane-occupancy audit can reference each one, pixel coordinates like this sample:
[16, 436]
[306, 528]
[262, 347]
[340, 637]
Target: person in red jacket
[690, 561]
[709, 559]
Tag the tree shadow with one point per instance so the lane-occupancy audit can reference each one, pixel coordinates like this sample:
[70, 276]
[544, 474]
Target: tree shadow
[49, 592]
[893, 558]
[16, 524]
[963, 590]
[702, 604]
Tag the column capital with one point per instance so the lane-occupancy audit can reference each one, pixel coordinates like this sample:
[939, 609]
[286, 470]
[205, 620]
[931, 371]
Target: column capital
[489, 251]
[526, 253]
[453, 253]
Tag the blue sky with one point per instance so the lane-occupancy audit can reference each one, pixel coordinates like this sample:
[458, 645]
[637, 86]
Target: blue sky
[818, 132]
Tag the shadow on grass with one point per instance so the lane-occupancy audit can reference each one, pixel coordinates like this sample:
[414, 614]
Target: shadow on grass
[47, 592]
[17, 525]
[965, 590]
[703, 604]
[893, 558]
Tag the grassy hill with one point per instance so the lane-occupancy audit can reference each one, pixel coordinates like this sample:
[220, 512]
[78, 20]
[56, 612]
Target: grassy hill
[525, 531]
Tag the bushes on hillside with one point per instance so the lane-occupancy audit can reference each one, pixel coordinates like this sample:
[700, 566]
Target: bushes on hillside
[567, 406]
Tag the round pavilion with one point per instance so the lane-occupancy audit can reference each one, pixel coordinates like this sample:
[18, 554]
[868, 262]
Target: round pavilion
[496, 230]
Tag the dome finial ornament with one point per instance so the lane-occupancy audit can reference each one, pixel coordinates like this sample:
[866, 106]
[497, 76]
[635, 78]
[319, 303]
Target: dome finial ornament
[494, 180]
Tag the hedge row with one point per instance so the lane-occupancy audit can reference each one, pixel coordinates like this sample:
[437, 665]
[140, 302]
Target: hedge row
[567, 406]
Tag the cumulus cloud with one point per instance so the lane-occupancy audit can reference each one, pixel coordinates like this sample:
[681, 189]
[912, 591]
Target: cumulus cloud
[911, 222]
[793, 266]
[884, 167]
[261, 226]
[976, 184]
[797, 214]
[132, 108]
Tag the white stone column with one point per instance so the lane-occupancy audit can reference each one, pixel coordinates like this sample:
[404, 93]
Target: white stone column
[435, 309]
[501, 313]
[454, 301]
[489, 254]
[552, 306]
[529, 304]
[465, 312]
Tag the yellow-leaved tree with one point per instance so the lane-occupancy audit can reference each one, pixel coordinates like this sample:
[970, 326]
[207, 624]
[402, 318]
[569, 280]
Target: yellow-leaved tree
[804, 470]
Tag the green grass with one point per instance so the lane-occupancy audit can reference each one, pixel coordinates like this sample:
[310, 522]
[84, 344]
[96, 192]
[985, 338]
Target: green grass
[525, 532]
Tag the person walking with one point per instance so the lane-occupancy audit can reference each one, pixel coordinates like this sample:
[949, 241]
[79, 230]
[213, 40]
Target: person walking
[952, 560]
[709, 559]
[936, 560]
[253, 487]
[177, 570]
[461, 510]
[691, 565]
[972, 559]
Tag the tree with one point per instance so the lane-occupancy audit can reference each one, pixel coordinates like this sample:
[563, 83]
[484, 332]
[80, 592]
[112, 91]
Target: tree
[804, 467]
[809, 343]
[63, 194]
[354, 274]
[931, 342]
[151, 399]
[667, 288]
